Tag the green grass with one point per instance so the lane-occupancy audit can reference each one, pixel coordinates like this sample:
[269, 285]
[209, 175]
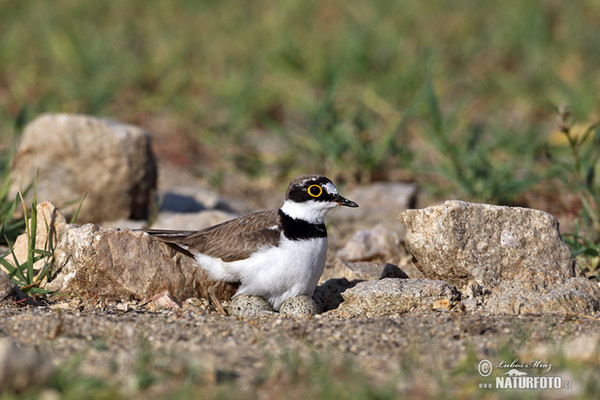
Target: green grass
[342, 86]
[581, 170]
[25, 273]
[578, 171]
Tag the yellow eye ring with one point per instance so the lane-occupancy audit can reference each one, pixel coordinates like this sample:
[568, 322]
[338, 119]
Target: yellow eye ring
[316, 194]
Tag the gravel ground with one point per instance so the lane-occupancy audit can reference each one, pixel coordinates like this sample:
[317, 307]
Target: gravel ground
[423, 355]
[113, 337]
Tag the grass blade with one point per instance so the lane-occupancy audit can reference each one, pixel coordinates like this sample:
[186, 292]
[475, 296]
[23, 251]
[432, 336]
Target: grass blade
[13, 272]
[76, 215]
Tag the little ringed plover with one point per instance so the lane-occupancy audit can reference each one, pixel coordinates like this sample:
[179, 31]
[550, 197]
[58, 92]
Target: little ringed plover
[276, 254]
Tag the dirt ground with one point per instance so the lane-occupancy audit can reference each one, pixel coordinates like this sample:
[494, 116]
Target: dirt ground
[113, 336]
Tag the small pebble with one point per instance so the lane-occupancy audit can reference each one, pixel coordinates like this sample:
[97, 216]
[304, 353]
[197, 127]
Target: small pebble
[244, 305]
[166, 300]
[442, 304]
[298, 306]
[392, 271]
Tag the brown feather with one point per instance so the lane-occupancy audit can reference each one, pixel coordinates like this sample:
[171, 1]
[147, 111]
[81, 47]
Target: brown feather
[231, 240]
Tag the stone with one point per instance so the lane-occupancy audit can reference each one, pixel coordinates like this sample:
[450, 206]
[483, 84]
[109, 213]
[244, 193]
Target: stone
[363, 271]
[77, 154]
[390, 296]
[328, 295]
[245, 305]
[472, 290]
[369, 244]
[92, 261]
[165, 300]
[527, 294]
[6, 285]
[21, 368]
[442, 304]
[471, 305]
[514, 257]
[460, 241]
[299, 306]
[392, 271]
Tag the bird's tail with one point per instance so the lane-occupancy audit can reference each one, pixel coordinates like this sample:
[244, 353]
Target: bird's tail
[171, 237]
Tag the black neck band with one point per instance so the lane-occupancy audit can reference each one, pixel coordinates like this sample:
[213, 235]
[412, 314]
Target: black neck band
[297, 229]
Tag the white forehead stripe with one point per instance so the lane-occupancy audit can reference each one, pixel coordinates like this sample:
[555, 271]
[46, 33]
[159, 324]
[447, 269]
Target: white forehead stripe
[329, 188]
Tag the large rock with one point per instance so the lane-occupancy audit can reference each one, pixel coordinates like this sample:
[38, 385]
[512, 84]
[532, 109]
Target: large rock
[122, 264]
[460, 241]
[517, 256]
[532, 291]
[114, 264]
[77, 154]
[391, 296]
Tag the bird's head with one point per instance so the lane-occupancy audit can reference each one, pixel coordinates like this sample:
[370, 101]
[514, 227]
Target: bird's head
[309, 197]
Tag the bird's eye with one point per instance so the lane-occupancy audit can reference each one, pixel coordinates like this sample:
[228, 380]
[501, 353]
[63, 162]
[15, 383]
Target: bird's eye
[315, 190]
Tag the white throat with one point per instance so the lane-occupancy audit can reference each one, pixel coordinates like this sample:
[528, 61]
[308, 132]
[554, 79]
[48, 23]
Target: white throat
[310, 211]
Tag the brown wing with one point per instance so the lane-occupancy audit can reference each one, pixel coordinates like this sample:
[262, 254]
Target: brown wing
[231, 240]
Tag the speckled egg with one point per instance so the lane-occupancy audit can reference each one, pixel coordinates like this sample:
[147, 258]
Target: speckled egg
[299, 306]
[244, 305]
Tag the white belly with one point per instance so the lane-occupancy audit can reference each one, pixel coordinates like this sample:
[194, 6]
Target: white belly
[275, 273]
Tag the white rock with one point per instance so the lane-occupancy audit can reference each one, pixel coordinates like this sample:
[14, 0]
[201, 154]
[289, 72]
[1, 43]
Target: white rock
[516, 255]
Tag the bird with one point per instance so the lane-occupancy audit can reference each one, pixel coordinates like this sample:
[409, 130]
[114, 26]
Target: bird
[276, 254]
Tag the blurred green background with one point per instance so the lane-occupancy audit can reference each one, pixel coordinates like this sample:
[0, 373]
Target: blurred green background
[459, 96]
